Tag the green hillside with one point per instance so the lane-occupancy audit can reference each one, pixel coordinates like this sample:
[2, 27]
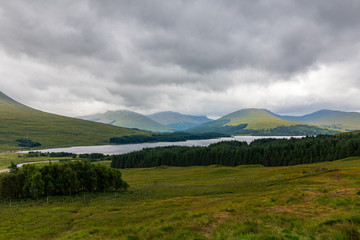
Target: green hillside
[342, 121]
[128, 119]
[258, 122]
[178, 121]
[256, 119]
[50, 130]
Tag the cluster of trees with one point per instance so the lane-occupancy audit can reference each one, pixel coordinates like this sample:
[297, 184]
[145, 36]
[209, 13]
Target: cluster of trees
[92, 157]
[51, 154]
[267, 152]
[68, 178]
[294, 130]
[168, 137]
[22, 142]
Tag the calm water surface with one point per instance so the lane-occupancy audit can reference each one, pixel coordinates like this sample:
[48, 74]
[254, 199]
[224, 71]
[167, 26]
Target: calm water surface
[126, 148]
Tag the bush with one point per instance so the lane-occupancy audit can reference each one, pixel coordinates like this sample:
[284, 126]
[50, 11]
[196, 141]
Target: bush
[27, 143]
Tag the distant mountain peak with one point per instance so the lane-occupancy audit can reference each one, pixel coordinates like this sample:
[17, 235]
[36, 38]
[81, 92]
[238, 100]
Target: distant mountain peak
[4, 97]
[178, 121]
[128, 119]
[333, 119]
[254, 121]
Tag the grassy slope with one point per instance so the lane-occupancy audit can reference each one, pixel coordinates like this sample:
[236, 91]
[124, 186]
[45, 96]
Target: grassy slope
[253, 119]
[258, 122]
[244, 202]
[344, 120]
[20, 121]
[257, 119]
[128, 119]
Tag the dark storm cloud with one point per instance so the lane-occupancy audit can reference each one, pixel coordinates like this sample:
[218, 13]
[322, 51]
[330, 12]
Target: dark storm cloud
[158, 55]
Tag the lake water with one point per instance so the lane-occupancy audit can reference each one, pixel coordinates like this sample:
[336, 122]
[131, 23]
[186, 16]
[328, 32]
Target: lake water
[126, 148]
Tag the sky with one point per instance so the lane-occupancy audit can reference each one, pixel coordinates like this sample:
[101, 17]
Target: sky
[202, 57]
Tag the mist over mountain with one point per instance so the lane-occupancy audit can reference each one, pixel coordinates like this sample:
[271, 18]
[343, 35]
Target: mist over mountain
[128, 119]
[178, 121]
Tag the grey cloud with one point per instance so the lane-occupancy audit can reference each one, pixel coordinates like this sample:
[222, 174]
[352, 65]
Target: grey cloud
[64, 33]
[137, 53]
[200, 36]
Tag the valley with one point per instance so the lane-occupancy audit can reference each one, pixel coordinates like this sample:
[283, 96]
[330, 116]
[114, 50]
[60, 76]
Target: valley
[179, 120]
[24, 127]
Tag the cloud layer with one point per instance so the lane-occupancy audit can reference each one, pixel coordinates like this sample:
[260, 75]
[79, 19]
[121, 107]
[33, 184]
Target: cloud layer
[198, 57]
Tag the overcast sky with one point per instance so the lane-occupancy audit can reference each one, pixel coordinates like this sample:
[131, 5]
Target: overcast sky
[196, 57]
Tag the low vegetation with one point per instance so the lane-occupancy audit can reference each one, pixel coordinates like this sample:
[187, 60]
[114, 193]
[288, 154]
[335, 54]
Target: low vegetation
[313, 201]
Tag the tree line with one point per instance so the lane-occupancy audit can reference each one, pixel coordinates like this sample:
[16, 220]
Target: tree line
[50, 154]
[267, 152]
[221, 126]
[166, 137]
[68, 178]
[92, 157]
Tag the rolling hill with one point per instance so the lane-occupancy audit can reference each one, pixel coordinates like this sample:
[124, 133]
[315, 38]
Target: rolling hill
[258, 122]
[18, 121]
[337, 120]
[128, 119]
[178, 121]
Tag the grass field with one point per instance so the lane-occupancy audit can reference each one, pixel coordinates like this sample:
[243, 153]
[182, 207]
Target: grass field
[214, 202]
[6, 159]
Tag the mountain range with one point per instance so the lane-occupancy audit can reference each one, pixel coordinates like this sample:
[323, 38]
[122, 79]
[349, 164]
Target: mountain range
[128, 119]
[159, 122]
[336, 120]
[246, 121]
[254, 121]
[18, 121]
[178, 121]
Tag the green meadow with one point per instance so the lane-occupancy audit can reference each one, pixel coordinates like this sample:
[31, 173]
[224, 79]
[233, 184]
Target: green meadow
[6, 159]
[315, 201]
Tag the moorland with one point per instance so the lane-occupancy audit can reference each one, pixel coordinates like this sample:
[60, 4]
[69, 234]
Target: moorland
[311, 201]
